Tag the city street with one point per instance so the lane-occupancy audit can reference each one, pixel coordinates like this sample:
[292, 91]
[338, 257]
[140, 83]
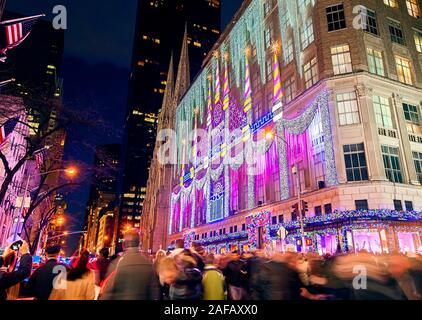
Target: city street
[226, 151]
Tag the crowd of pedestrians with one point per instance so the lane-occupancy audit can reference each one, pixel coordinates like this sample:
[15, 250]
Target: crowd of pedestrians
[193, 274]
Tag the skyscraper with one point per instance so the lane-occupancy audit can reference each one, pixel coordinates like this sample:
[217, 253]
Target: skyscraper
[102, 196]
[159, 31]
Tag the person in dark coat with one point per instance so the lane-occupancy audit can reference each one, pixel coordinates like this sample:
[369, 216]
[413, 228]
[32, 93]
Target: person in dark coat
[132, 276]
[12, 278]
[237, 277]
[274, 280]
[40, 284]
[188, 284]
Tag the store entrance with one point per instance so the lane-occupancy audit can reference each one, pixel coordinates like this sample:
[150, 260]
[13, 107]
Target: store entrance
[260, 243]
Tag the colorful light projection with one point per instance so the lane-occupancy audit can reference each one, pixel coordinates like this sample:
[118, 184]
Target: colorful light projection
[247, 33]
[293, 127]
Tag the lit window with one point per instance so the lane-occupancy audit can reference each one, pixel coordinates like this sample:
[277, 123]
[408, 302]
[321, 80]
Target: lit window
[310, 71]
[391, 3]
[413, 8]
[382, 112]
[403, 70]
[375, 62]
[348, 111]
[342, 62]
[418, 40]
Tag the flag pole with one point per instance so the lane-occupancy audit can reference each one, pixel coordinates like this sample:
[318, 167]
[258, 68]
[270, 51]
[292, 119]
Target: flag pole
[3, 83]
[2, 6]
[22, 19]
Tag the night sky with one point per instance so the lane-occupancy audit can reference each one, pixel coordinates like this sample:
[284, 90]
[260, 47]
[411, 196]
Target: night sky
[98, 48]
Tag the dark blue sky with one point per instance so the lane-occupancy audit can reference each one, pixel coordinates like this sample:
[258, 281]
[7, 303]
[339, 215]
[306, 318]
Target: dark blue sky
[98, 48]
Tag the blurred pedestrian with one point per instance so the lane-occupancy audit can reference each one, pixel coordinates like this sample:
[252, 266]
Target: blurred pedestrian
[9, 277]
[40, 284]
[79, 283]
[237, 277]
[132, 276]
[164, 287]
[101, 265]
[275, 279]
[188, 284]
[213, 282]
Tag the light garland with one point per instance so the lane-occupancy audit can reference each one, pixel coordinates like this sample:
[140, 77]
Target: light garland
[342, 216]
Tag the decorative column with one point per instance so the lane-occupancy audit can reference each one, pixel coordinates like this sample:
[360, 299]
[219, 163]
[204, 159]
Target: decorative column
[226, 105]
[409, 170]
[247, 108]
[281, 143]
[370, 129]
[208, 159]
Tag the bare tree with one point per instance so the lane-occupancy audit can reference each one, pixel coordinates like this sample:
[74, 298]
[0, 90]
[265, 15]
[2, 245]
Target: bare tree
[45, 120]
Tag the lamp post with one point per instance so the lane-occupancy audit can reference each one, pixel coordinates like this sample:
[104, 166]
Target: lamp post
[69, 171]
[295, 171]
[64, 234]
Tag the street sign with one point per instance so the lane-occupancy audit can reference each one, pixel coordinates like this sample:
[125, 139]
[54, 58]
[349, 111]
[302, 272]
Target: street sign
[282, 233]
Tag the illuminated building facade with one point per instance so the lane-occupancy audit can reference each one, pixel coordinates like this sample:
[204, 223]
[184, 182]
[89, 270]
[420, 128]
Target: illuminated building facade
[159, 30]
[308, 113]
[102, 197]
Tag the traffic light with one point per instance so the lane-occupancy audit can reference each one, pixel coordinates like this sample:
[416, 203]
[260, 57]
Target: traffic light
[295, 212]
[305, 208]
[308, 242]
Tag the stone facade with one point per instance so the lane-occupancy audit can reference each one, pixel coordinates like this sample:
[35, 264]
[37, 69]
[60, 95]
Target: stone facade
[374, 115]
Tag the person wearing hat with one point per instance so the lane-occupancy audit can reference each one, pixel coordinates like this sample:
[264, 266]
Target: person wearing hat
[9, 275]
[40, 284]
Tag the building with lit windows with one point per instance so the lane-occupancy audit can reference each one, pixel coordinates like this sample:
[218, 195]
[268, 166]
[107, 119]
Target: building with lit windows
[313, 122]
[102, 206]
[159, 30]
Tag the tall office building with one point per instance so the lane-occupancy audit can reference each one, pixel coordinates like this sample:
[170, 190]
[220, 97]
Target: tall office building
[159, 31]
[102, 196]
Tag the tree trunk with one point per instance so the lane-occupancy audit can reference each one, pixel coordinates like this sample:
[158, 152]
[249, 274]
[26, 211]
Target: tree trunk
[5, 185]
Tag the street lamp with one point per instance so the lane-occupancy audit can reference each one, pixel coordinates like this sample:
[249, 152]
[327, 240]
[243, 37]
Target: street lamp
[295, 171]
[71, 172]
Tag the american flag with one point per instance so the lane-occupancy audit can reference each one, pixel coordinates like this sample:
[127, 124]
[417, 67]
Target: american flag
[14, 32]
[6, 129]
